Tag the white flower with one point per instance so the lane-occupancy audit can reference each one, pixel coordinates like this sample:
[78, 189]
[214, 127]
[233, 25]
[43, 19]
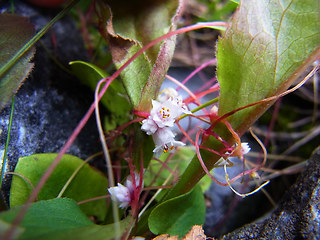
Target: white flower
[168, 93]
[121, 194]
[164, 113]
[245, 148]
[164, 141]
[149, 126]
[181, 106]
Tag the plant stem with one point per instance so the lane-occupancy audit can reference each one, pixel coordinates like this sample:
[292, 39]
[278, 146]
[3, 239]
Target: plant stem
[4, 158]
[107, 156]
[201, 107]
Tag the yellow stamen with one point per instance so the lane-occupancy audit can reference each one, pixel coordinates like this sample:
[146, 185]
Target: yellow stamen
[165, 149]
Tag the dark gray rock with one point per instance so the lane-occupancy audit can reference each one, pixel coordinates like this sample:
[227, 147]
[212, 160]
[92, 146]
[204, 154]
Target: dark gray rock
[51, 102]
[298, 213]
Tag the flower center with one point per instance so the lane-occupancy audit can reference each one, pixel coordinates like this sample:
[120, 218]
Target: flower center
[166, 148]
[164, 112]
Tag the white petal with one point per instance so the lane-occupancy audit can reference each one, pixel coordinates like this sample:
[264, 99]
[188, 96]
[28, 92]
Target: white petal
[168, 93]
[177, 144]
[185, 110]
[158, 151]
[164, 140]
[121, 194]
[124, 205]
[149, 126]
[163, 136]
[164, 114]
[181, 107]
[245, 148]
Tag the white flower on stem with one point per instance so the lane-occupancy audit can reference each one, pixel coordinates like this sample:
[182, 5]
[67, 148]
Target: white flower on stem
[181, 106]
[164, 113]
[164, 141]
[168, 93]
[121, 194]
[245, 148]
[149, 126]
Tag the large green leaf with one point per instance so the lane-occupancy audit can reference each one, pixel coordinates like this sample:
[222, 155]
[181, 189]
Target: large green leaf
[15, 31]
[176, 216]
[130, 26]
[5, 226]
[88, 183]
[59, 219]
[264, 45]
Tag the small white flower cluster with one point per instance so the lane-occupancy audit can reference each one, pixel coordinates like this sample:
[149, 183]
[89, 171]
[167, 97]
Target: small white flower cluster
[123, 194]
[164, 113]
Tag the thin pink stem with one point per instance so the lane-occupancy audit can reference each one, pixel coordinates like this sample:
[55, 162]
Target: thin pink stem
[207, 84]
[165, 165]
[198, 69]
[172, 79]
[201, 94]
[185, 133]
[121, 128]
[204, 167]
[273, 121]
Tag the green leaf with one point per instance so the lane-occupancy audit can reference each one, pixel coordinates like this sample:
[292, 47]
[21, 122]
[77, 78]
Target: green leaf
[114, 100]
[60, 218]
[176, 216]
[49, 216]
[4, 226]
[88, 73]
[88, 183]
[15, 32]
[264, 45]
[96, 232]
[130, 26]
